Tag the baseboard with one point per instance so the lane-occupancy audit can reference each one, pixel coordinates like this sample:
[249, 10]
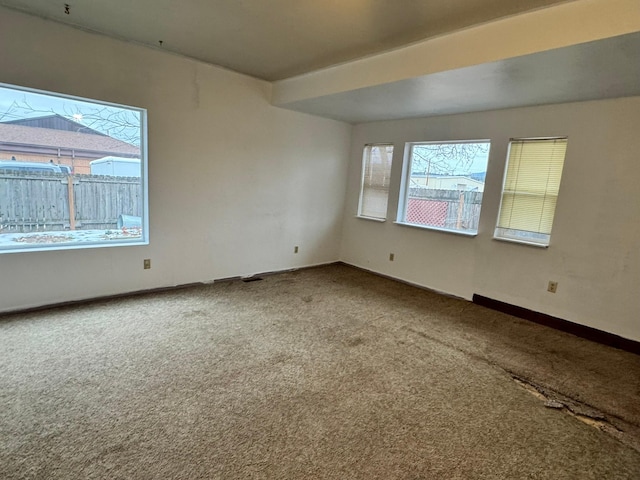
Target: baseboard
[102, 298]
[582, 331]
[556, 323]
[576, 329]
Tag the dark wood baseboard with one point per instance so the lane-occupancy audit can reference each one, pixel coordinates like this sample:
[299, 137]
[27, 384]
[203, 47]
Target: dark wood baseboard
[103, 298]
[582, 331]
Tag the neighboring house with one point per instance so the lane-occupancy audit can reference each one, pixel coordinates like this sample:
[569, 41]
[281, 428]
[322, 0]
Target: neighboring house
[54, 122]
[447, 182]
[55, 139]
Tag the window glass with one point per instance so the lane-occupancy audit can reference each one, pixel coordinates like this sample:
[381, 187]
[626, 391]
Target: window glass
[374, 186]
[444, 185]
[72, 172]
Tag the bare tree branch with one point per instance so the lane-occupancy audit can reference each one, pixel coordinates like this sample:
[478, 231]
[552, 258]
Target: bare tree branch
[121, 124]
[445, 158]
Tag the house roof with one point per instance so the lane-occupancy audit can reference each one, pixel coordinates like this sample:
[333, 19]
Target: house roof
[46, 137]
[55, 122]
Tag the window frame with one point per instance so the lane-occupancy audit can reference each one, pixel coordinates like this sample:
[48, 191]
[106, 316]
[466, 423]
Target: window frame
[544, 242]
[144, 238]
[406, 181]
[363, 170]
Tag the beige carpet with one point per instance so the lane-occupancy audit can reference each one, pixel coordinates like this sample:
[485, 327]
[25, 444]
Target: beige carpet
[326, 373]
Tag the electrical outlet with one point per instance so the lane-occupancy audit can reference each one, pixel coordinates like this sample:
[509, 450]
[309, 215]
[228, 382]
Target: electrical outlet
[392, 256]
[147, 263]
[552, 287]
[295, 249]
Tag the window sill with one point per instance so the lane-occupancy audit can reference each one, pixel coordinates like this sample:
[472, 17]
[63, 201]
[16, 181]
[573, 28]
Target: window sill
[443, 230]
[74, 246]
[371, 219]
[521, 242]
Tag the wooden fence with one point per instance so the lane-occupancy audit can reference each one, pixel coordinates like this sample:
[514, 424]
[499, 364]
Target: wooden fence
[451, 209]
[37, 202]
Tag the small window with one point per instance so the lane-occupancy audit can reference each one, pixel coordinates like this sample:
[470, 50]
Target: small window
[444, 185]
[530, 190]
[72, 172]
[374, 187]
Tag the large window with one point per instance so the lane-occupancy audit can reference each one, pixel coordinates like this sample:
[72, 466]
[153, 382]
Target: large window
[374, 186]
[530, 191]
[444, 185]
[72, 172]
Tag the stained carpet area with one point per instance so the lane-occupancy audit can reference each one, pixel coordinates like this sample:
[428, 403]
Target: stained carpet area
[325, 373]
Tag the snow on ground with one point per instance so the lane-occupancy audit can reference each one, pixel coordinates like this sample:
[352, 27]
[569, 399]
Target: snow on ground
[68, 237]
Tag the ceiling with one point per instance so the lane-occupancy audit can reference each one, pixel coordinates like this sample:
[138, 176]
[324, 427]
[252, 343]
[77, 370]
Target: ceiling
[275, 39]
[279, 40]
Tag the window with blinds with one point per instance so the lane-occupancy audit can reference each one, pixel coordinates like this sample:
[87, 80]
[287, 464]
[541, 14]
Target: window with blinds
[530, 190]
[374, 186]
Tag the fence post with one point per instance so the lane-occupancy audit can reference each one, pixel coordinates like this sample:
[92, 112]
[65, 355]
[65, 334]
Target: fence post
[72, 203]
[460, 210]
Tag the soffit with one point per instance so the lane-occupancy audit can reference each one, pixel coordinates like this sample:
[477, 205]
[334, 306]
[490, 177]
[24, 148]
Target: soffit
[608, 68]
[276, 39]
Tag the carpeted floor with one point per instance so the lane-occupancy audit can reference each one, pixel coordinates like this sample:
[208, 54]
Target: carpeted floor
[326, 373]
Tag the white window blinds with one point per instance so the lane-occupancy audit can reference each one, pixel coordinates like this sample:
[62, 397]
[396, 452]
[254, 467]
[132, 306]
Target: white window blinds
[374, 187]
[530, 190]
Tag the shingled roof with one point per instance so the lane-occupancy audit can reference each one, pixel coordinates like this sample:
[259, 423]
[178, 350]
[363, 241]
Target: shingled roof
[54, 122]
[46, 137]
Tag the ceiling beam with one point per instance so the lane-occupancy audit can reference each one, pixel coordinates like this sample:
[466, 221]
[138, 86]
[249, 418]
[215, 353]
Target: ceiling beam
[558, 26]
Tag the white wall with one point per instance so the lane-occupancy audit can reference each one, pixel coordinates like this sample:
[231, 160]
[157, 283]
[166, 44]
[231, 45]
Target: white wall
[264, 179]
[234, 182]
[595, 244]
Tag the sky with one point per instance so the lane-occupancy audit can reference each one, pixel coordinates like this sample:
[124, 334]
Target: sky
[476, 164]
